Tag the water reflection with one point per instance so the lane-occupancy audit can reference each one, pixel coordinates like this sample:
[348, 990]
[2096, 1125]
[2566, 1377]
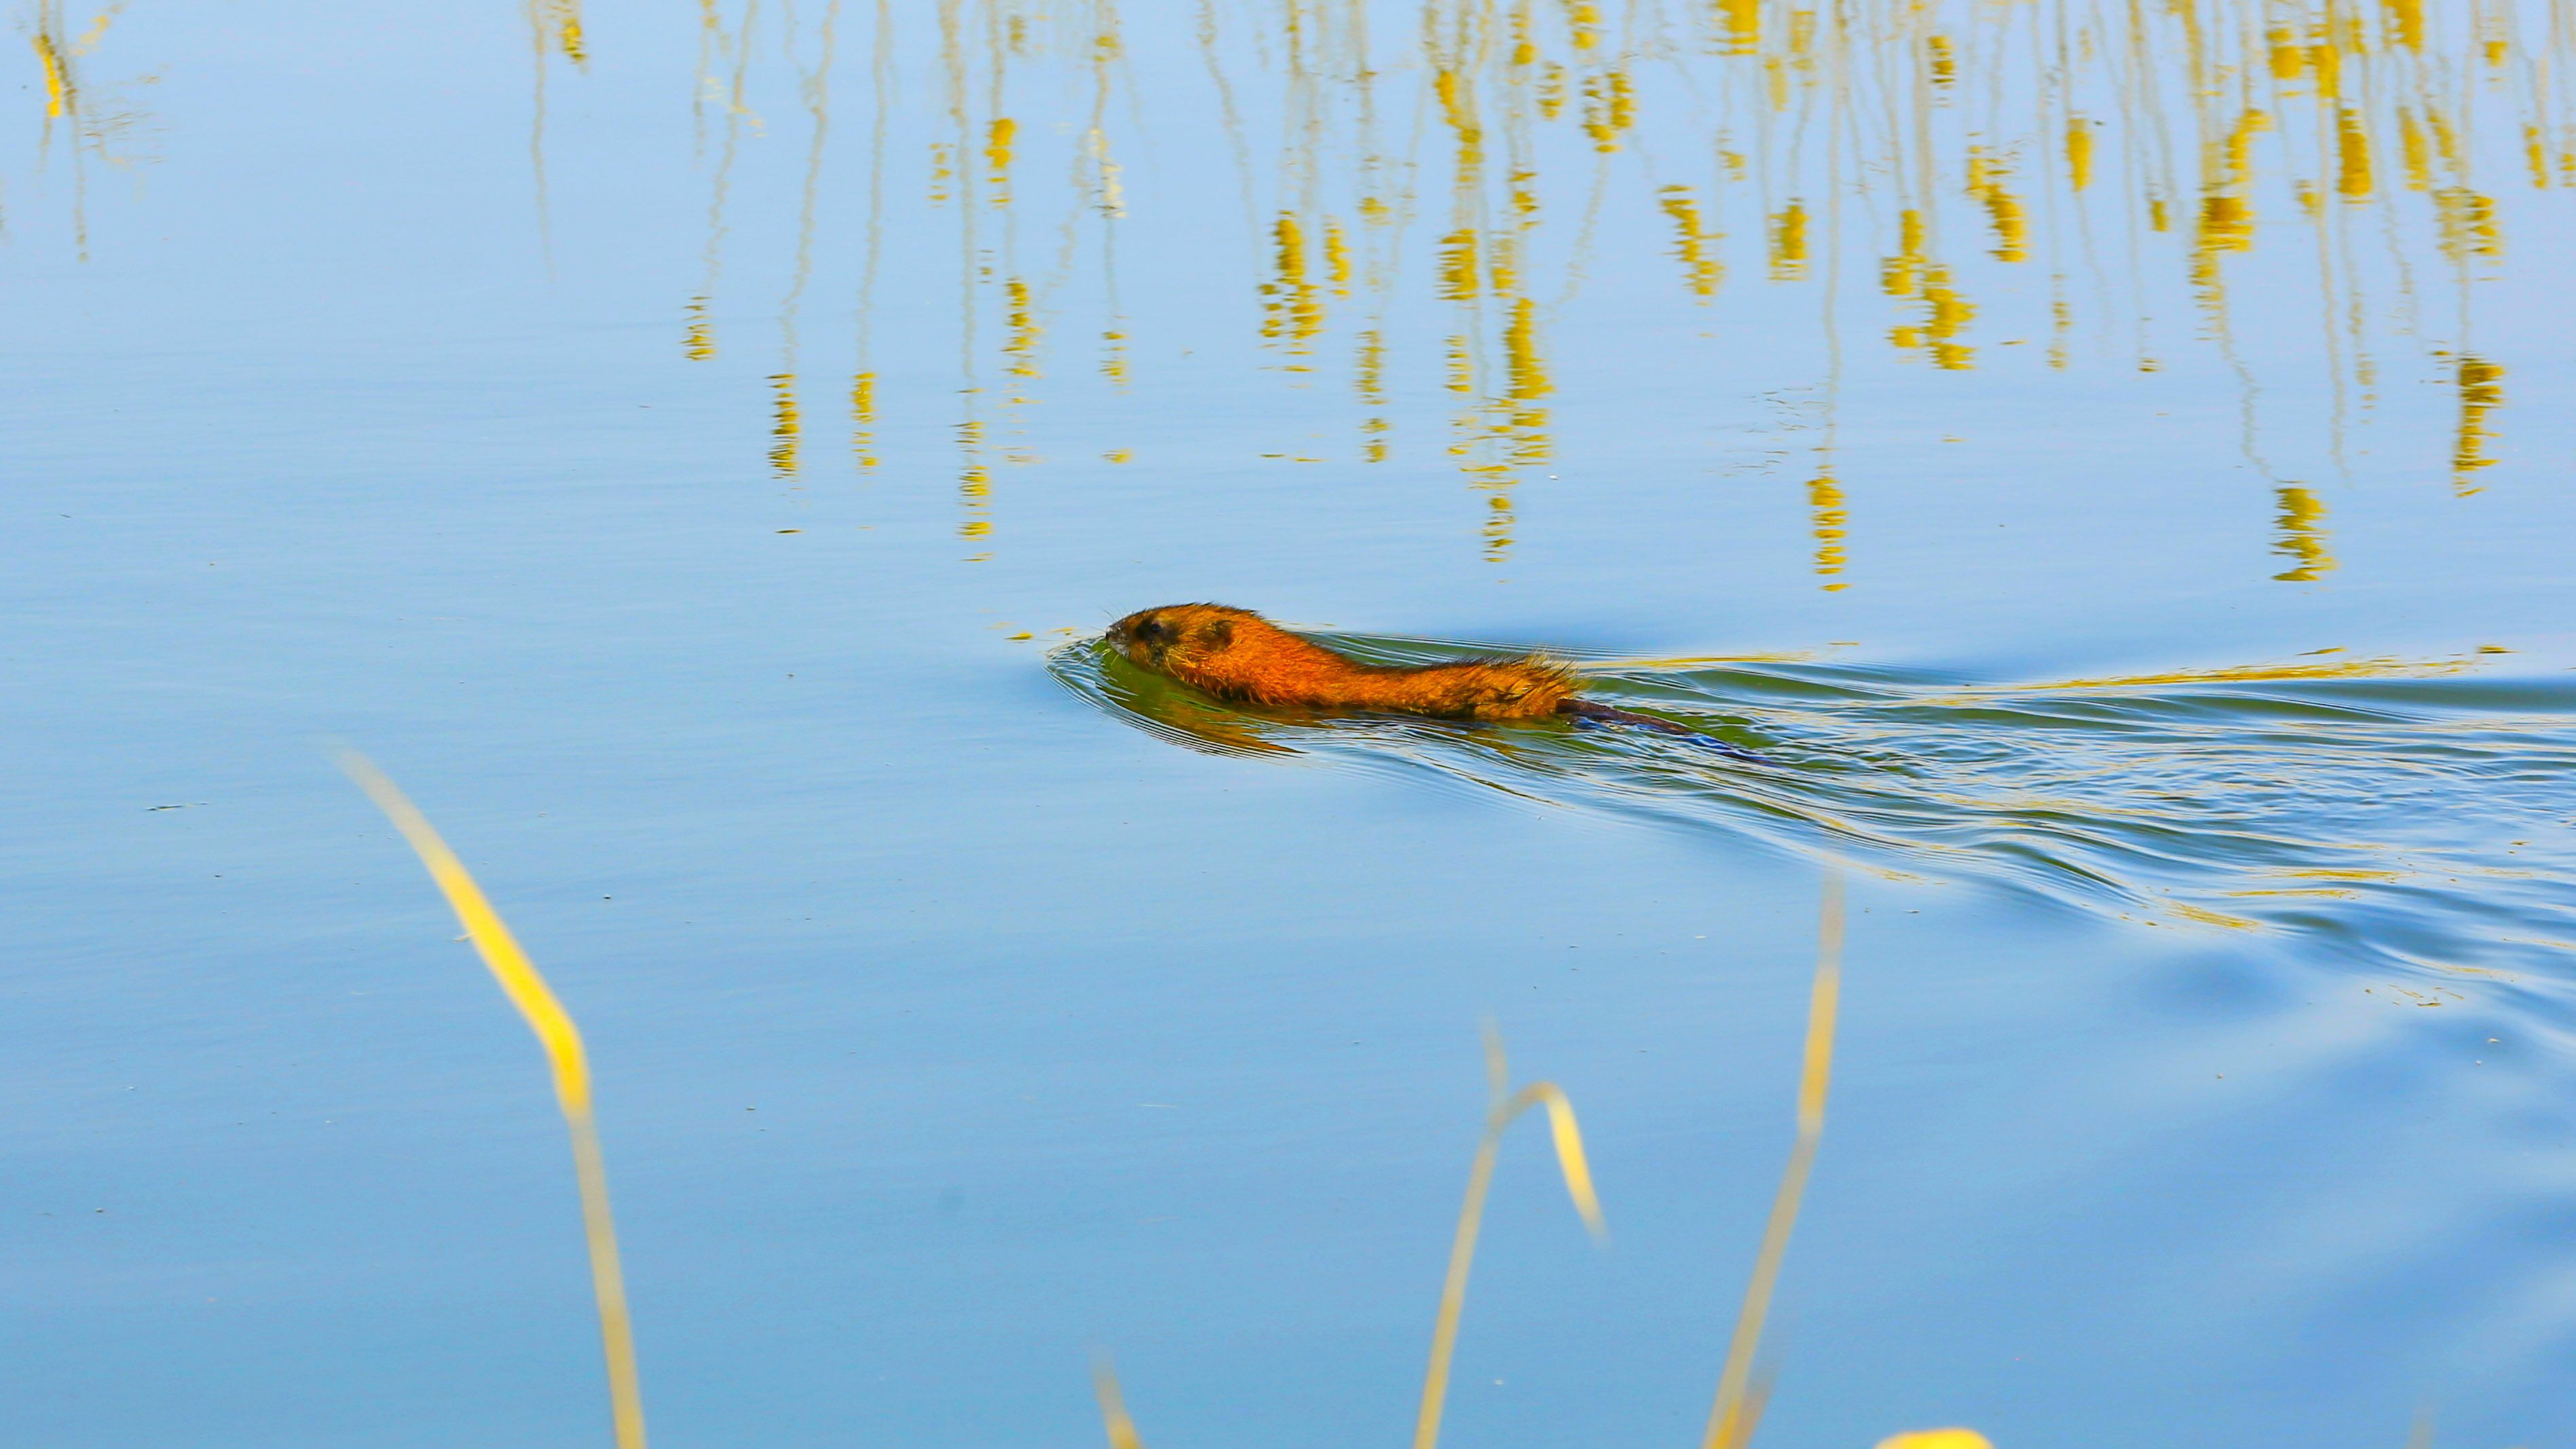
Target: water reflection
[787, 421]
[2063, 170]
[2303, 537]
[1825, 501]
[699, 339]
[2481, 387]
[2407, 815]
[95, 122]
[863, 377]
[554, 28]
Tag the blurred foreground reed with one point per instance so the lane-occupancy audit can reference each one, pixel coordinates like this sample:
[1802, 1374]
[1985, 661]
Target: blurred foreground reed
[1742, 1390]
[561, 1039]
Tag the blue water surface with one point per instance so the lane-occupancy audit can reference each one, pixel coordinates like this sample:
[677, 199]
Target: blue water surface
[950, 1030]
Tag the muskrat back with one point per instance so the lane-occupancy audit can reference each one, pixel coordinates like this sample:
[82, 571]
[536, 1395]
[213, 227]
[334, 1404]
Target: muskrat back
[1237, 655]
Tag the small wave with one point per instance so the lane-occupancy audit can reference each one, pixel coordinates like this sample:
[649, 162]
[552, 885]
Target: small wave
[2410, 814]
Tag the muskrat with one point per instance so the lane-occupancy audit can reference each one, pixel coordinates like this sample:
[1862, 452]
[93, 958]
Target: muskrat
[1237, 655]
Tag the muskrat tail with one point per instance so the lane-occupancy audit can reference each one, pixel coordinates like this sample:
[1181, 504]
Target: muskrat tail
[1584, 709]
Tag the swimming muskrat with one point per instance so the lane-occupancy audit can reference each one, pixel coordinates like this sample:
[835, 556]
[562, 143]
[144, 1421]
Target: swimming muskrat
[1237, 655]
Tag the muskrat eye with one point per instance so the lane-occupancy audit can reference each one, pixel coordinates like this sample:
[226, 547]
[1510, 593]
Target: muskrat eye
[1149, 629]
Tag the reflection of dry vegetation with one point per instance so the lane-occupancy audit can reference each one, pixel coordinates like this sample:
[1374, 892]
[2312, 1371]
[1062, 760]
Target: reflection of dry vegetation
[2045, 122]
[96, 121]
[2481, 388]
[561, 1040]
[2114, 153]
[863, 377]
[2302, 538]
[1741, 1391]
[787, 421]
[699, 340]
[2110, 152]
[554, 28]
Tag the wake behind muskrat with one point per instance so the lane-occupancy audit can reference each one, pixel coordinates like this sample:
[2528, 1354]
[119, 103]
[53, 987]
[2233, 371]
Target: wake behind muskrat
[2402, 816]
[1238, 656]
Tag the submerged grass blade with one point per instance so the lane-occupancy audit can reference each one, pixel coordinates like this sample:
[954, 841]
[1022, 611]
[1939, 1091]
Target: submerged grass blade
[556, 1033]
[1570, 1162]
[1113, 1407]
[1732, 1418]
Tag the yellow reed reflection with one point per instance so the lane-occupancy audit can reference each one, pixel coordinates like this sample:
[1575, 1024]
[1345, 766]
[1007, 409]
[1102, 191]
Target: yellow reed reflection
[558, 25]
[1369, 382]
[2378, 667]
[554, 28]
[2226, 207]
[2481, 388]
[62, 95]
[697, 333]
[1293, 307]
[1987, 173]
[2302, 538]
[1435, 197]
[786, 427]
[1831, 521]
[786, 424]
[1788, 233]
[1694, 246]
[96, 122]
[698, 338]
[863, 379]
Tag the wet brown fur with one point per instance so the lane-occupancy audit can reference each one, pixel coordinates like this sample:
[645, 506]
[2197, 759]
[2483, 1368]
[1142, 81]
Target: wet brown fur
[1237, 655]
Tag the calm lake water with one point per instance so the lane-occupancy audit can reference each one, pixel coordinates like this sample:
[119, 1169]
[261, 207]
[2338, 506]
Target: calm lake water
[2111, 460]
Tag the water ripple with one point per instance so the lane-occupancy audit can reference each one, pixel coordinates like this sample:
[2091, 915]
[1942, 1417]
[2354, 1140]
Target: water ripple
[2416, 815]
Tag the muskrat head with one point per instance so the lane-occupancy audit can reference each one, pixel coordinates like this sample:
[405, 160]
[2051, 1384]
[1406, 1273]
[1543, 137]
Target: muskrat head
[1175, 634]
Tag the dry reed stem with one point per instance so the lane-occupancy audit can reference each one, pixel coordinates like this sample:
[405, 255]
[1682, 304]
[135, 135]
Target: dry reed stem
[1738, 1409]
[1506, 1106]
[561, 1040]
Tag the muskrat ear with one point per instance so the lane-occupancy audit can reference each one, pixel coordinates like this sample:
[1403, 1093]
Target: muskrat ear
[1220, 634]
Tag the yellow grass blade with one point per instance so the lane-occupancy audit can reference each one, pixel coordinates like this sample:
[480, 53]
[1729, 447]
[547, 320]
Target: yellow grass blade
[1732, 1418]
[1937, 1439]
[500, 950]
[1113, 1407]
[1570, 1162]
[1453, 1296]
[562, 1042]
[1569, 1150]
